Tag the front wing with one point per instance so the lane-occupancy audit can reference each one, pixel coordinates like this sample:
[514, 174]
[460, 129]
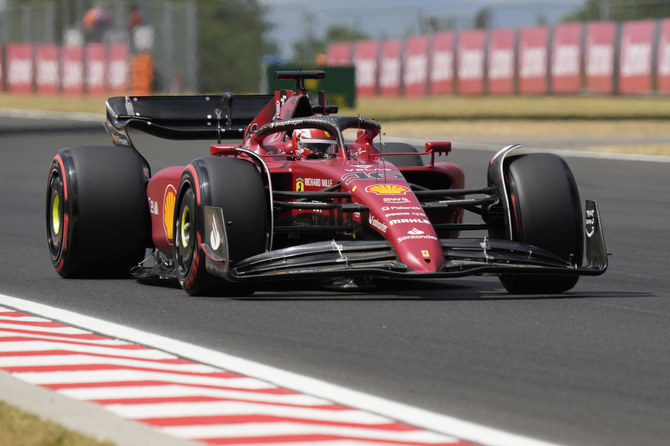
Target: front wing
[467, 256]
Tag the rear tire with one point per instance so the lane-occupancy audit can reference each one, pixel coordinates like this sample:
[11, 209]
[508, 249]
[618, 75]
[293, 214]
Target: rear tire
[546, 212]
[96, 211]
[236, 187]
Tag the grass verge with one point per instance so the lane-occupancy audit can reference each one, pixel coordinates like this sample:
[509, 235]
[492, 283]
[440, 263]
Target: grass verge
[18, 428]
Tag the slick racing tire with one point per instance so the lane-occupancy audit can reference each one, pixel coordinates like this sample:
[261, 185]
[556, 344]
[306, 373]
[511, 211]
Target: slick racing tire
[237, 188]
[96, 211]
[545, 211]
[400, 160]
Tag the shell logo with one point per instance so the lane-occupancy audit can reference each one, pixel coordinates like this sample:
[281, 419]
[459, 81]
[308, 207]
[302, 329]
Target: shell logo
[168, 210]
[387, 189]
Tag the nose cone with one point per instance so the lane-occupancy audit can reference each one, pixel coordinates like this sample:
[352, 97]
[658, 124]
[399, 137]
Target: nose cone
[411, 234]
[419, 249]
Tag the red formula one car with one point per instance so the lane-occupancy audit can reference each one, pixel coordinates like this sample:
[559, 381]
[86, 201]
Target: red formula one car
[307, 194]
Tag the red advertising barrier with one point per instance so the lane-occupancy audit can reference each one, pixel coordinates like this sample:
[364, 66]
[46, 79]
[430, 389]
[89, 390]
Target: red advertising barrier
[442, 63]
[390, 68]
[415, 70]
[365, 59]
[96, 66]
[500, 69]
[47, 69]
[470, 62]
[599, 54]
[73, 70]
[635, 57]
[2, 71]
[663, 72]
[566, 56]
[118, 68]
[339, 53]
[533, 49]
[20, 68]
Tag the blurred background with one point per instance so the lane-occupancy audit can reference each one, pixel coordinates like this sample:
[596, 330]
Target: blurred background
[147, 46]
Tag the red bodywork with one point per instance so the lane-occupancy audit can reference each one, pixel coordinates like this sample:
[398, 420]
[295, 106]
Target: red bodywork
[395, 214]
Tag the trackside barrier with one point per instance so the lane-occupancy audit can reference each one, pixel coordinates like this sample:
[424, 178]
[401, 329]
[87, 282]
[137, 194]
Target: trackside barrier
[442, 63]
[636, 57]
[20, 68]
[663, 58]
[533, 61]
[501, 61]
[415, 72]
[470, 62]
[74, 70]
[566, 56]
[390, 68]
[47, 69]
[598, 57]
[366, 56]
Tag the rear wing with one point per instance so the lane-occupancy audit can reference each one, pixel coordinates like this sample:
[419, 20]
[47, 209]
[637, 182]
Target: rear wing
[183, 117]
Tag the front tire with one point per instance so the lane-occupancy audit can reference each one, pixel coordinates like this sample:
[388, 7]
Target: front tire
[236, 187]
[96, 211]
[546, 212]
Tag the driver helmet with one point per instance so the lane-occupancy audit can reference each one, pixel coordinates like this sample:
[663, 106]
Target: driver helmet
[314, 143]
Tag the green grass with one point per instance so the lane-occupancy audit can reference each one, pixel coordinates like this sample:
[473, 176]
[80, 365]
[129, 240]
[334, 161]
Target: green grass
[18, 428]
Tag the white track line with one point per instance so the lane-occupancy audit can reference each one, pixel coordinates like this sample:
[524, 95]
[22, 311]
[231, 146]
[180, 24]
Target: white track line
[435, 422]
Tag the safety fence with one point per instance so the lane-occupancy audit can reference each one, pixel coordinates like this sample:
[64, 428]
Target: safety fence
[570, 58]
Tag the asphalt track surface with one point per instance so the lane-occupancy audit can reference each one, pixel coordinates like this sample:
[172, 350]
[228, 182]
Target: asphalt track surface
[589, 367]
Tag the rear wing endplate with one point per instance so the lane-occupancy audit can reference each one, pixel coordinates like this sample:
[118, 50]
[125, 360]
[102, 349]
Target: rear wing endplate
[183, 117]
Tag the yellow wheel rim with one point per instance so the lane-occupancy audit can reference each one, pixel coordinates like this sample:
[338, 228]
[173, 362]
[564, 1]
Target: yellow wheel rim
[185, 231]
[55, 214]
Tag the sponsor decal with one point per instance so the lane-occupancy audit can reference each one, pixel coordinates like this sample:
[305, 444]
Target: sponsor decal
[299, 185]
[566, 61]
[443, 61]
[366, 167]
[600, 59]
[471, 64]
[416, 69]
[416, 237]
[395, 214]
[214, 237]
[396, 200]
[377, 224]
[387, 189]
[415, 231]
[382, 175]
[153, 207]
[409, 220]
[533, 61]
[169, 199]
[635, 58]
[318, 182]
[590, 222]
[402, 208]
[390, 73]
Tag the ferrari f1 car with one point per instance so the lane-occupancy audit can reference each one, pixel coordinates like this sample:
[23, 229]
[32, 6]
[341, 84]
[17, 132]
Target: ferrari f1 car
[306, 193]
